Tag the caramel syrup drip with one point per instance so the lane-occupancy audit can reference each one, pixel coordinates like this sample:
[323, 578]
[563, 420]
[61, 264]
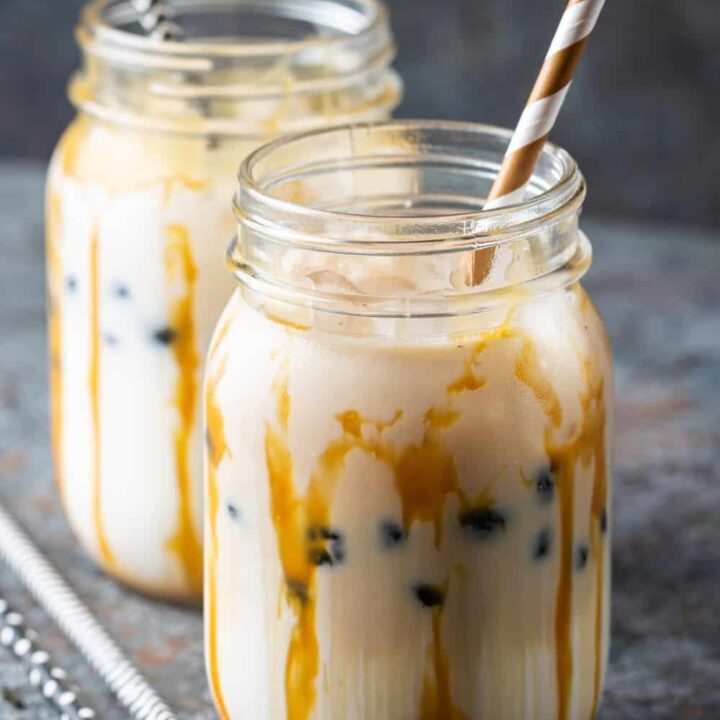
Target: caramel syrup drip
[106, 553]
[217, 451]
[70, 147]
[565, 478]
[55, 309]
[529, 372]
[425, 476]
[437, 702]
[293, 515]
[182, 276]
[469, 381]
[169, 184]
[599, 548]
[587, 446]
[288, 515]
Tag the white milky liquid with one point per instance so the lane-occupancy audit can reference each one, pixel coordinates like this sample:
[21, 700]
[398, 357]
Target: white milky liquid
[402, 531]
[138, 226]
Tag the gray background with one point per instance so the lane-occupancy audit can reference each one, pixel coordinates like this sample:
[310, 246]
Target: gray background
[641, 119]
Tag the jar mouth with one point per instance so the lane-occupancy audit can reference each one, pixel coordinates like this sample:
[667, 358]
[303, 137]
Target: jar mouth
[244, 68]
[228, 31]
[386, 219]
[283, 188]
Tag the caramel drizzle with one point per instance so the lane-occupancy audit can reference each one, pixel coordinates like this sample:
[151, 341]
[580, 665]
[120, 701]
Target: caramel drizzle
[424, 475]
[469, 381]
[182, 276]
[55, 303]
[292, 516]
[168, 185]
[437, 702]
[303, 658]
[218, 450]
[599, 511]
[586, 446]
[106, 553]
[529, 372]
[598, 546]
[71, 145]
[76, 161]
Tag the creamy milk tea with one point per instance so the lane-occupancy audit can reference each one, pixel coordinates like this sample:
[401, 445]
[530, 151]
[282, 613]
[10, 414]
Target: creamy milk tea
[139, 216]
[407, 477]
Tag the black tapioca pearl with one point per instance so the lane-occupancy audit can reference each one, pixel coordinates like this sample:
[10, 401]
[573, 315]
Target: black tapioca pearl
[327, 545]
[121, 291]
[316, 533]
[429, 596]
[330, 534]
[391, 534]
[482, 522]
[165, 336]
[233, 511]
[71, 283]
[297, 590]
[582, 555]
[545, 486]
[319, 557]
[604, 522]
[543, 544]
[323, 532]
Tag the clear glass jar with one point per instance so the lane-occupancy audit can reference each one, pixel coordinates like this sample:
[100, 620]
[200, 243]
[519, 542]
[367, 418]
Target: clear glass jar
[407, 478]
[138, 216]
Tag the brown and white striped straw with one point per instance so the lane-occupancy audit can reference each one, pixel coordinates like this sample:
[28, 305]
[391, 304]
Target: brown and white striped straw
[540, 114]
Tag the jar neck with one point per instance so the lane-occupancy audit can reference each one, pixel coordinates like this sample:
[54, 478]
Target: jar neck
[293, 65]
[384, 221]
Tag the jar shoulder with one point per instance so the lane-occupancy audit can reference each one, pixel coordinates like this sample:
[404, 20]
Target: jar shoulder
[563, 336]
[122, 159]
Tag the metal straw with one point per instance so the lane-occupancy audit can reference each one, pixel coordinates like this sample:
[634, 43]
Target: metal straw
[155, 18]
[50, 680]
[77, 622]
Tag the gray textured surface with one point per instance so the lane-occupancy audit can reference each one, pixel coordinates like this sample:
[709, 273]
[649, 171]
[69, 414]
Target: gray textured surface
[659, 293]
[644, 107]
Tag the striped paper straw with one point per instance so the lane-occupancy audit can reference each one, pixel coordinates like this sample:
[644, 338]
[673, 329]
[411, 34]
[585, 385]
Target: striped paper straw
[540, 114]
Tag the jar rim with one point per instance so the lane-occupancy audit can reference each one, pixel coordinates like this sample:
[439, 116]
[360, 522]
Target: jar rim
[98, 31]
[384, 219]
[255, 205]
[250, 68]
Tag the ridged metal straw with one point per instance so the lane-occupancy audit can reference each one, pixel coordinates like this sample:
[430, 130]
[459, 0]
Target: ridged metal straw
[77, 622]
[42, 673]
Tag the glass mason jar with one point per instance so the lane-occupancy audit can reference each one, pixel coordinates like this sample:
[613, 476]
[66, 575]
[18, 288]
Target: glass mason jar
[138, 216]
[407, 477]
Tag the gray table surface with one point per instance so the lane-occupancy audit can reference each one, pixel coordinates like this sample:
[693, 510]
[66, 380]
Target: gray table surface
[659, 291]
